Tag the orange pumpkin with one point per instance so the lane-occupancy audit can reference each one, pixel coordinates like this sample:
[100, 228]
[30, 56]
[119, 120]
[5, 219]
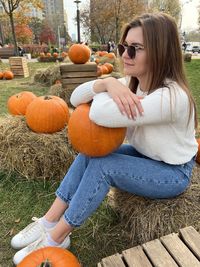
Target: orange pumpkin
[8, 75]
[99, 71]
[52, 256]
[57, 82]
[1, 75]
[109, 66]
[90, 138]
[48, 54]
[55, 54]
[18, 103]
[110, 55]
[198, 153]
[79, 53]
[104, 69]
[97, 60]
[47, 114]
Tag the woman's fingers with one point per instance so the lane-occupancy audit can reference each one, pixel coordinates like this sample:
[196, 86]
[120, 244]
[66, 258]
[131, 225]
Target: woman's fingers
[128, 105]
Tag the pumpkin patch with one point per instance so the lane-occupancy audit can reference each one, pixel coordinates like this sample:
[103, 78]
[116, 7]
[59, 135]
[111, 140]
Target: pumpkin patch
[90, 138]
[47, 114]
[51, 257]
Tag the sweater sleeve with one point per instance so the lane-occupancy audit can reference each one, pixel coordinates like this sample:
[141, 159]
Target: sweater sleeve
[158, 108]
[84, 93]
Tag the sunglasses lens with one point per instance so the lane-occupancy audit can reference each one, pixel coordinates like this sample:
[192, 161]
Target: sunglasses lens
[131, 51]
[121, 49]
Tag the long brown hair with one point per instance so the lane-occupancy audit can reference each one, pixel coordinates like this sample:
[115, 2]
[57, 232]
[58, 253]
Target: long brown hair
[164, 54]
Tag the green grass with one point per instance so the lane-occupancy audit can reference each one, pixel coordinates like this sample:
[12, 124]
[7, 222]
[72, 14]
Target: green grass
[21, 199]
[193, 75]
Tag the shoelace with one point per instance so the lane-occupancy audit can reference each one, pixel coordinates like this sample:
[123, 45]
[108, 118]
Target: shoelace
[31, 227]
[40, 243]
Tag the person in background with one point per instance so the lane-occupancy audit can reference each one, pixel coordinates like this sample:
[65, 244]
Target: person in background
[154, 102]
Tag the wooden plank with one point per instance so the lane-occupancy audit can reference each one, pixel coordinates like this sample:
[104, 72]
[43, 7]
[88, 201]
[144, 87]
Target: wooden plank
[77, 80]
[135, 257]
[192, 238]
[90, 66]
[179, 251]
[113, 261]
[79, 74]
[70, 86]
[158, 255]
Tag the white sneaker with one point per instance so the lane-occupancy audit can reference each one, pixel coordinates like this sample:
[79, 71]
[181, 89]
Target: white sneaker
[40, 243]
[29, 234]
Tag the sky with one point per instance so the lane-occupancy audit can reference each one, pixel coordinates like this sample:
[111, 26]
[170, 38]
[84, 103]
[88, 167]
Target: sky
[189, 14]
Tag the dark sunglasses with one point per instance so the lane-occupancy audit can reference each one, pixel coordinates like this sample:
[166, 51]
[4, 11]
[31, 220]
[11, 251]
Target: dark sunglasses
[131, 50]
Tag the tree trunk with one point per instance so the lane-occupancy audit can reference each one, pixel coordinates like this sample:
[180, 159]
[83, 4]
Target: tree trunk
[13, 34]
[116, 30]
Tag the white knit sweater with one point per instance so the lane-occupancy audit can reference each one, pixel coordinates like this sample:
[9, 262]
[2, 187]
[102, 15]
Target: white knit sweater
[162, 133]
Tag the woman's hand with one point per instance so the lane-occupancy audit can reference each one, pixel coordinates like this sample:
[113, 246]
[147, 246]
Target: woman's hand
[126, 100]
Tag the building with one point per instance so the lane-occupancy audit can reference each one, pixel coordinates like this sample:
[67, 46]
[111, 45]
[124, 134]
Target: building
[55, 14]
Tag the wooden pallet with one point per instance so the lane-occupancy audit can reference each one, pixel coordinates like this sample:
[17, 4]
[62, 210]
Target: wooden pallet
[19, 66]
[173, 250]
[73, 75]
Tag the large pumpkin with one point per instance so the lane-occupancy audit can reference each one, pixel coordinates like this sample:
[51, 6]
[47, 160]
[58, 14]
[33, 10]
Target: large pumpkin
[8, 75]
[79, 53]
[18, 103]
[47, 114]
[198, 153]
[51, 257]
[90, 138]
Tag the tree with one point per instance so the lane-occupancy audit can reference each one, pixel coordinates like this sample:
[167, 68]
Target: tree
[10, 6]
[24, 34]
[47, 34]
[103, 22]
[172, 8]
[36, 26]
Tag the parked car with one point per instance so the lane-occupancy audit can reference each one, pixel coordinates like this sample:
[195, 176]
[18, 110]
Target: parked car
[196, 48]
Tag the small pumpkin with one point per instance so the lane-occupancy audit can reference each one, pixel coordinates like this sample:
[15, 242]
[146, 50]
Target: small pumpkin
[109, 66]
[198, 152]
[51, 257]
[91, 139]
[8, 75]
[110, 55]
[99, 71]
[1, 75]
[79, 53]
[48, 54]
[55, 54]
[18, 103]
[47, 114]
[104, 69]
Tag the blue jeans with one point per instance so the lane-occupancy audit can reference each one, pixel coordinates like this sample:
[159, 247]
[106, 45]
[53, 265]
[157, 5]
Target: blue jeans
[88, 180]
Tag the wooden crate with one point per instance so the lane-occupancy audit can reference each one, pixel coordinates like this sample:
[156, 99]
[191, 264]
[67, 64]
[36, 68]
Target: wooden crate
[173, 250]
[73, 75]
[19, 66]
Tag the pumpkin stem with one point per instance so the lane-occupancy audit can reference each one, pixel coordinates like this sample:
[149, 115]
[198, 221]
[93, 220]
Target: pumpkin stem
[45, 263]
[47, 97]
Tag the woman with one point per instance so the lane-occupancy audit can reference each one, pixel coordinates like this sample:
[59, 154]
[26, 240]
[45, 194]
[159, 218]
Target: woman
[154, 103]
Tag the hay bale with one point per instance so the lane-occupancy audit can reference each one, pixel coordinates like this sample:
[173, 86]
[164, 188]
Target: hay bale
[33, 155]
[63, 93]
[47, 76]
[144, 219]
